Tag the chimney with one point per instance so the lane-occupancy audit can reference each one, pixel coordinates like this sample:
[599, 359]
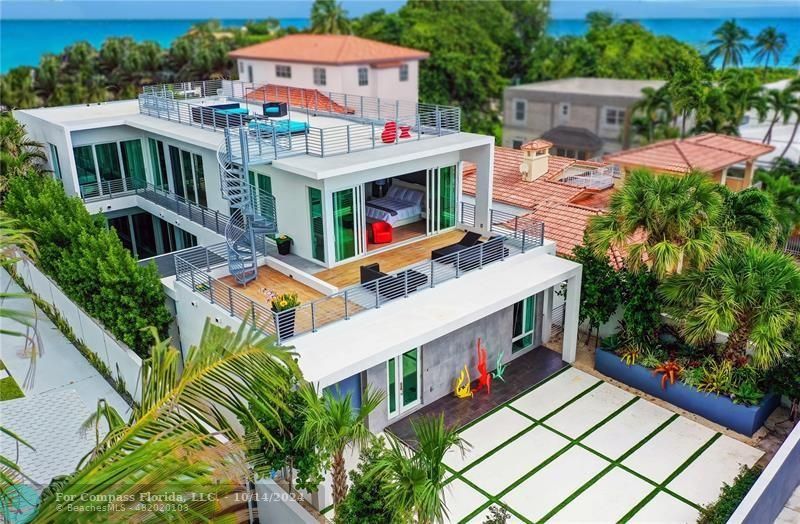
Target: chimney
[535, 159]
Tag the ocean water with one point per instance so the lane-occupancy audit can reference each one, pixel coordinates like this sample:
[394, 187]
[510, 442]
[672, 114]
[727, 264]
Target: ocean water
[22, 42]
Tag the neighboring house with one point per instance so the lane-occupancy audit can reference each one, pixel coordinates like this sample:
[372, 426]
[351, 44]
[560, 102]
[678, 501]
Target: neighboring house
[582, 117]
[784, 136]
[338, 63]
[560, 192]
[730, 160]
[196, 159]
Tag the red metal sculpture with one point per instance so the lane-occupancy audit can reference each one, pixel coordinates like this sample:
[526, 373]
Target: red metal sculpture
[484, 378]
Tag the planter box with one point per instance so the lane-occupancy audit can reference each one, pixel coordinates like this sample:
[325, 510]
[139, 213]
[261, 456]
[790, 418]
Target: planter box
[717, 408]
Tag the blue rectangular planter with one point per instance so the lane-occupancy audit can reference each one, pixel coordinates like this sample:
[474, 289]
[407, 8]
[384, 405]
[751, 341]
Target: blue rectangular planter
[717, 408]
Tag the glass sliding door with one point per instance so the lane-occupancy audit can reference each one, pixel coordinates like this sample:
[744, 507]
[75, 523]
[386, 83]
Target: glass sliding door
[200, 178]
[133, 162]
[317, 225]
[403, 382]
[188, 176]
[177, 172]
[442, 198]
[158, 163]
[87, 171]
[447, 197]
[348, 223]
[109, 166]
[524, 324]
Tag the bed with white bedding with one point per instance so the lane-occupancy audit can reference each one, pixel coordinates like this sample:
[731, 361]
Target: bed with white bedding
[401, 205]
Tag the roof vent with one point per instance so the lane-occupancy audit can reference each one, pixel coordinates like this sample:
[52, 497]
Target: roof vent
[535, 159]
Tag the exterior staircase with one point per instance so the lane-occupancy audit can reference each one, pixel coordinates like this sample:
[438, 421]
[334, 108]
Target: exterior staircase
[252, 212]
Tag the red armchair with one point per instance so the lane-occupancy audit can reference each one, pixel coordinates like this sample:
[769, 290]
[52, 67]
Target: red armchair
[381, 232]
[389, 133]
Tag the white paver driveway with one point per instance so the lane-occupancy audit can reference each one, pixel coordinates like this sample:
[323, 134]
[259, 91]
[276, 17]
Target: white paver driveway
[577, 449]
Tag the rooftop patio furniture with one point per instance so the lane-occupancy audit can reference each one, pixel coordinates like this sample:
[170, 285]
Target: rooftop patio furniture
[391, 286]
[220, 115]
[265, 127]
[389, 133]
[468, 240]
[405, 131]
[381, 232]
[275, 109]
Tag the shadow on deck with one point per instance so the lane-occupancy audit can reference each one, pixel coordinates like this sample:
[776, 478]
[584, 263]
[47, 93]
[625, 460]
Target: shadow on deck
[522, 374]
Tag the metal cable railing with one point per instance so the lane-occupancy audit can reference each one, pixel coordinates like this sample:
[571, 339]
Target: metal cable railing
[268, 138]
[352, 300]
[209, 218]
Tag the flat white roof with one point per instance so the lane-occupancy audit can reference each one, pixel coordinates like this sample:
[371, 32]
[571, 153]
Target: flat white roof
[342, 349]
[592, 86]
[330, 166]
[86, 116]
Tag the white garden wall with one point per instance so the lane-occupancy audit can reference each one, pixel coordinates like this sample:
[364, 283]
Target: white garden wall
[119, 358]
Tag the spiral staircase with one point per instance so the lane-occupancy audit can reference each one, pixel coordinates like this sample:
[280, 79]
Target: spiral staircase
[252, 212]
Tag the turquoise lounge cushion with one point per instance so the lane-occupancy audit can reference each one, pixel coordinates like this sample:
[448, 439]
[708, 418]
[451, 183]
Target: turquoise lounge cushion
[281, 126]
[233, 111]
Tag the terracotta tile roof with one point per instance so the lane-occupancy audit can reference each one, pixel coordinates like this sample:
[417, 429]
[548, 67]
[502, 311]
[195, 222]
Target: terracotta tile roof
[536, 144]
[509, 188]
[328, 49]
[708, 152]
[297, 97]
[733, 144]
[564, 224]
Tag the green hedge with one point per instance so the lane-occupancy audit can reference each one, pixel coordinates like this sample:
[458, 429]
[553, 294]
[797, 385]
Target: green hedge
[89, 262]
[730, 497]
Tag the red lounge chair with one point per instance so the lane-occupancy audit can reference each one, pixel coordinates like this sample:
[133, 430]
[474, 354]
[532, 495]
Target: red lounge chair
[389, 133]
[381, 232]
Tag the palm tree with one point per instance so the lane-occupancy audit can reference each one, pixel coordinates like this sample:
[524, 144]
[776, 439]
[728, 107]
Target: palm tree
[782, 103]
[329, 17]
[684, 90]
[667, 223]
[181, 437]
[656, 108]
[334, 425]
[794, 90]
[19, 155]
[414, 480]
[786, 195]
[752, 212]
[769, 43]
[729, 43]
[752, 293]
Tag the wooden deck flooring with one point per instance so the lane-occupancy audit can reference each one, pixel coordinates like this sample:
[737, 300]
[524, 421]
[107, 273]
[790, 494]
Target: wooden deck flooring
[391, 260]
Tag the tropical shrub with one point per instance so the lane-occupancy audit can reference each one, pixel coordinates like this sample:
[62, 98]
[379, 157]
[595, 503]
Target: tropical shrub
[600, 288]
[751, 293]
[641, 312]
[89, 262]
[785, 379]
[365, 500]
[497, 515]
[731, 495]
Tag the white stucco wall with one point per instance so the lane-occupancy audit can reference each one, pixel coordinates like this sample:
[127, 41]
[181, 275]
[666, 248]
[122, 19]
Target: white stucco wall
[46, 132]
[383, 82]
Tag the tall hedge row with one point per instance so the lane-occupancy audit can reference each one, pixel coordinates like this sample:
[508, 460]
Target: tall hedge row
[89, 262]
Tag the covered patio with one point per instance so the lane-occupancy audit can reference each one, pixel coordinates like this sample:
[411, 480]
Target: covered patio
[522, 374]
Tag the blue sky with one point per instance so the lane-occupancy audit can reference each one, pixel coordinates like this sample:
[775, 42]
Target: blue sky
[235, 9]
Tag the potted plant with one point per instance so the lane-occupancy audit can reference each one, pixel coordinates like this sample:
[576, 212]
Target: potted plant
[284, 306]
[284, 243]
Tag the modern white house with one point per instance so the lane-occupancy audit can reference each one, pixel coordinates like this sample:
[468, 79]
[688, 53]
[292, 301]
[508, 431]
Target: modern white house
[398, 276]
[338, 63]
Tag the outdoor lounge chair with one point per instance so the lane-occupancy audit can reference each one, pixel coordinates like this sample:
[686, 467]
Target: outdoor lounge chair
[468, 240]
[391, 286]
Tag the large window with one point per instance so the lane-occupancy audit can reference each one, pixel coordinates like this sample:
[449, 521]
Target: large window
[317, 226]
[403, 382]
[403, 72]
[54, 161]
[520, 109]
[108, 162]
[87, 172]
[524, 324]
[363, 76]
[262, 187]
[133, 160]
[283, 71]
[320, 77]
[447, 197]
[188, 177]
[614, 117]
[158, 163]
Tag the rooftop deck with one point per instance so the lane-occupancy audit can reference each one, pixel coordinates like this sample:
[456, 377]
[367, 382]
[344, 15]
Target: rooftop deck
[317, 123]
